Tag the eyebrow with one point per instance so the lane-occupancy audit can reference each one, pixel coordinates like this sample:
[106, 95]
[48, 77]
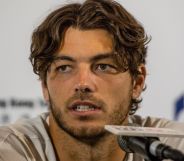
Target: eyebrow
[101, 56]
[64, 57]
[97, 57]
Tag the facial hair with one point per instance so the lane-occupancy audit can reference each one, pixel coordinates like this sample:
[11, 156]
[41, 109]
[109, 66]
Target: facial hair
[116, 117]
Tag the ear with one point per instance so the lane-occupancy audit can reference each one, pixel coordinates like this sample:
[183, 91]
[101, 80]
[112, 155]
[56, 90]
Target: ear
[139, 81]
[45, 92]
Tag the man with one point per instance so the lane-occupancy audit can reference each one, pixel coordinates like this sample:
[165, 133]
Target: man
[90, 58]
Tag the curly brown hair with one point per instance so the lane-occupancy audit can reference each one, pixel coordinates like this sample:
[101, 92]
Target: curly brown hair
[129, 37]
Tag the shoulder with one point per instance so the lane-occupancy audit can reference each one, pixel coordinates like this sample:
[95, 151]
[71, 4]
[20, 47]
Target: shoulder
[5, 132]
[156, 122]
[23, 138]
[10, 147]
[35, 128]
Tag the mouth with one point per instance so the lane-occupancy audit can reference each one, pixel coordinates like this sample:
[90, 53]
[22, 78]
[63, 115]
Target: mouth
[84, 108]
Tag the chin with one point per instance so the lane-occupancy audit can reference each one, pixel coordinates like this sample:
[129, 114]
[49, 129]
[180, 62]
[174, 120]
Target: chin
[82, 130]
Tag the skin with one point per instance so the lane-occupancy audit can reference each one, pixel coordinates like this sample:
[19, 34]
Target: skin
[85, 63]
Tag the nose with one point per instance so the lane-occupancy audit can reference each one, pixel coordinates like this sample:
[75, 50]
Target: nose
[85, 81]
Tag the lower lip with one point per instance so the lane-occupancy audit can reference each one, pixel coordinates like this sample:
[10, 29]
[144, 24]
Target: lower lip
[86, 113]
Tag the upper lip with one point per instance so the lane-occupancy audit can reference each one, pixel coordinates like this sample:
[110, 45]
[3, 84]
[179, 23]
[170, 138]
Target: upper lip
[74, 104]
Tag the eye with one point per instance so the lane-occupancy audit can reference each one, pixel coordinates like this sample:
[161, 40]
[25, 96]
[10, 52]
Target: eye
[64, 68]
[103, 67]
[108, 68]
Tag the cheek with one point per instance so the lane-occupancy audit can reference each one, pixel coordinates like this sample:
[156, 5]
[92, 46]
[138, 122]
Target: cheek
[117, 87]
[117, 92]
[121, 93]
[58, 90]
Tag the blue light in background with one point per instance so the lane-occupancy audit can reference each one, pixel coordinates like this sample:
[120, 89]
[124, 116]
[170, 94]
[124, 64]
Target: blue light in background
[179, 107]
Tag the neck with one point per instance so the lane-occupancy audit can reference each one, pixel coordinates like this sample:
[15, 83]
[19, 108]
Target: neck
[69, 148]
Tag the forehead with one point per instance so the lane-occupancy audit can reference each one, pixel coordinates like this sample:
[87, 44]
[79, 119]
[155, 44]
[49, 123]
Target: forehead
[84, 43]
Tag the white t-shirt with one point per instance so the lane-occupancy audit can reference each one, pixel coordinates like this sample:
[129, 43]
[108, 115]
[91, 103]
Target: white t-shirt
[28, 140]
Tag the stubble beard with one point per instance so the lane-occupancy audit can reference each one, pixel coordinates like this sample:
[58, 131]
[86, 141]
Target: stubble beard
[116, 117]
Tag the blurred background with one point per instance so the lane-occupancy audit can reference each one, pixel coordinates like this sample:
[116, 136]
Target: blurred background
[20, 89]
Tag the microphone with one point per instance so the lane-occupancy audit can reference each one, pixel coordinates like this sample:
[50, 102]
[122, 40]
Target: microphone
[150, 148]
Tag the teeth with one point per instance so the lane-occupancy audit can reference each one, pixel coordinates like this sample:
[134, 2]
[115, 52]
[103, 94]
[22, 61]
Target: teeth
[83, 108]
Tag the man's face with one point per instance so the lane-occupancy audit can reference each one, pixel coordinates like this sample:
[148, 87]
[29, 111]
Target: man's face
[84, 88]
